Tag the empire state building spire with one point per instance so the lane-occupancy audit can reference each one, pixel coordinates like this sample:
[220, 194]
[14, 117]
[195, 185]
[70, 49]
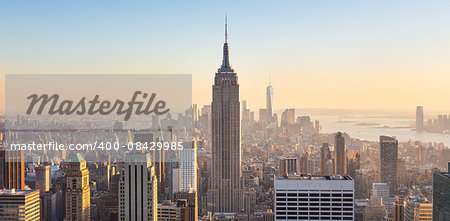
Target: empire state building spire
[226, 67]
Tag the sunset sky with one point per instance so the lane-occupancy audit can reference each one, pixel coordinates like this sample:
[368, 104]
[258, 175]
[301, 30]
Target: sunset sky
[390, 55]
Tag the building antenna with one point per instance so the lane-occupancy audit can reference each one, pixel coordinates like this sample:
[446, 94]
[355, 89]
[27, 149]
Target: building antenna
[226, 29]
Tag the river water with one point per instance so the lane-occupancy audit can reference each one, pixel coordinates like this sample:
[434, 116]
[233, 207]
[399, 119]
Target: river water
[370, 128]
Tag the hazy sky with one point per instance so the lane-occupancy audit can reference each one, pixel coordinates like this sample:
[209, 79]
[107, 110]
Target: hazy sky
[324, 54]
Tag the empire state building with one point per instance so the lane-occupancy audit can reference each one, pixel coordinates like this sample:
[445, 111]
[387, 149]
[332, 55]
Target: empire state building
[226, 193]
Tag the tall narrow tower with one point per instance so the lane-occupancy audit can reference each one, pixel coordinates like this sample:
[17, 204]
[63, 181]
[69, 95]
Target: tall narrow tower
[138, 196]
[226, 191]
[339, 149]
[388, 162]
[78, 202]
[269, 102]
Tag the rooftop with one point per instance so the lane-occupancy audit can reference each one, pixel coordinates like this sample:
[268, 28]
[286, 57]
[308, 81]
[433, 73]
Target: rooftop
[15, 192]
[314, 177]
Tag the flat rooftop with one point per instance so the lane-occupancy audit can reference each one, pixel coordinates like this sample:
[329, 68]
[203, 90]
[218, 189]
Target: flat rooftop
[15, 192]
[314, 177]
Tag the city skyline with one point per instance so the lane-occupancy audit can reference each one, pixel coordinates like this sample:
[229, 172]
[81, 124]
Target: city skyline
[272, 158]
[317, 46]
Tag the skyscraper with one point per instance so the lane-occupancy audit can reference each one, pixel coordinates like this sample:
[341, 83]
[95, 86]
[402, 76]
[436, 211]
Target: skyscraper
[138, 197]
[19, 205]
[398, 207]
[388, 164]
[78, 204]
[353, 160]
[419, 118]
[339, 149]
[382, 190]
[226, 191]
[188, 167]
[325, 156]
[12, 165]
[308, 197]
[375, 210]
[441, 195]
[289, 166]
[42, 178]
[269, 102]
[418, 209]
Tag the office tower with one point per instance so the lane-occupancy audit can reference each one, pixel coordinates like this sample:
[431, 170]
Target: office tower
[339, 156]
[397, 211]
[418, 209]
[388, 162]
[48, 206]
[353, 160]
[104, 176]
[375, 210]
[325, 156]
[269, 102]
[419, 118]
[42, 178]
[12, 168]
[137, 189]
[78, 191]
[245, 112]
[192, 203]
[288, 116]
[2, 155]
[289, 166]
[304, 163]
[441, 195]
[360, 208]
[194, 113]
[108, 205]
[188, 166]
[382, 190]
[263, 117]
[440, 122]
[314, 197]
[226, 190]
[19, 205]
[169, 211]
[174, 178]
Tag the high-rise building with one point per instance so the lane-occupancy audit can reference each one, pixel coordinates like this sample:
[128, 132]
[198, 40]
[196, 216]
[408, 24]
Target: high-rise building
[48, 206]
[325, 156]
[12, 167]
[269, 102]
[418, 209]
[168, 211]
[2, 155]
[192, 203]
[382, 190]
[263, 120]
[339, 156]
[138, 197]
[353, 160]
[288, 116]
[388, 162]
[289, 166]
[19, 205]
[78, 202]
[398, 208]
[419, 118]
[226, 191]
[375, 210]
[42, 178]
[441, 195]
[305, 197]
[188, 166]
